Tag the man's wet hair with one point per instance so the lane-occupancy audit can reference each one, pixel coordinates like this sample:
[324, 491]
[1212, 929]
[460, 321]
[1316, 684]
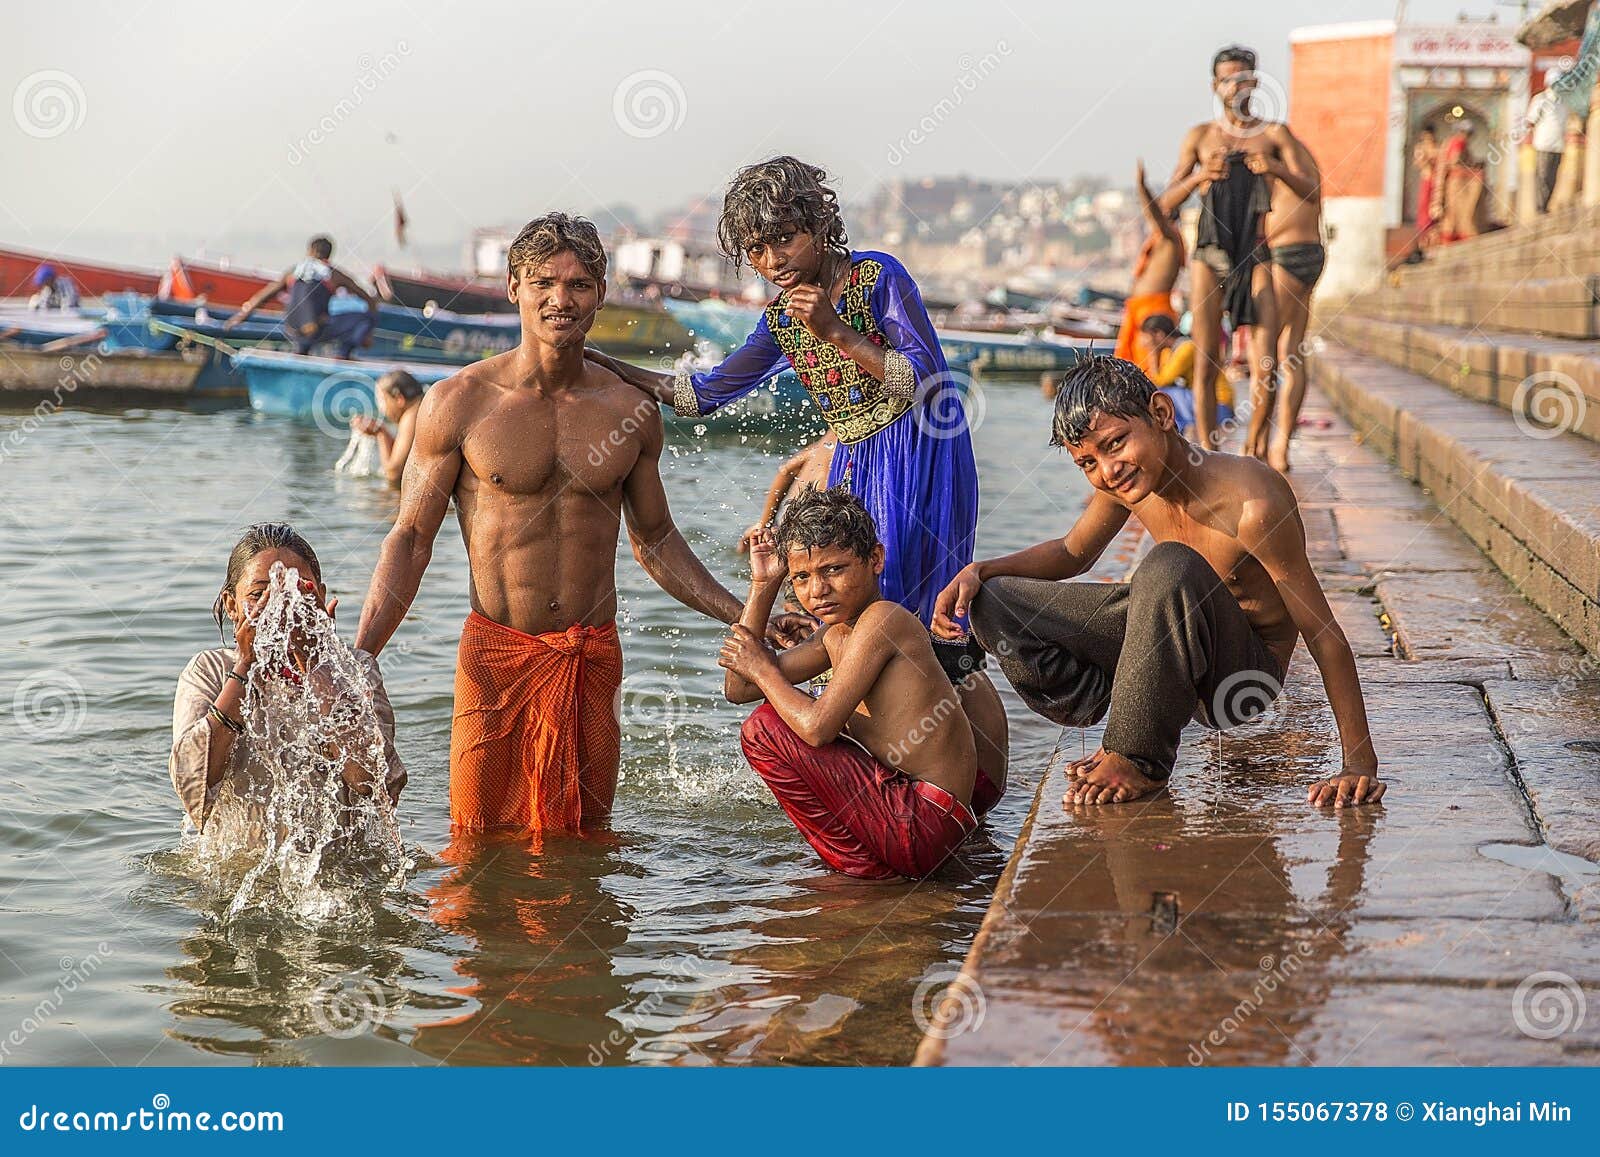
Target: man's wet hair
[544, 237]
[783, 195]
[320, 247]
[1101, 384]
[1234, 54]
[820, 517]
[1159, 324]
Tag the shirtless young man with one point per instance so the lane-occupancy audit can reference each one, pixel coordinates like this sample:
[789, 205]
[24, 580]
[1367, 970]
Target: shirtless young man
[544, 453]
[1154, 274]
[1294, 241]
[1207, 624]
[878, 771]
[1233, 161]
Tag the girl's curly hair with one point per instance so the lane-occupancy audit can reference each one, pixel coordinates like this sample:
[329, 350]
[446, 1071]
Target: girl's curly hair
[775, 197]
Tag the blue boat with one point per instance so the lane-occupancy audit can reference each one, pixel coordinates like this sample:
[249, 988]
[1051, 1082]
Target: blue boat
[330, 392]
[725, 326]
[323, 390]
[402, 334]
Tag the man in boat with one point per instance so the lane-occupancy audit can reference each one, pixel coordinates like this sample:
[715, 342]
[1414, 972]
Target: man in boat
[311, 285]
[52, 289]
[1227, 161]
[1154, 274]
[545, 453]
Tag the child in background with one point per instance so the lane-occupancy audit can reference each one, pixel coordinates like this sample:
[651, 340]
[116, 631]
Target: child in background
[399, 398]
[807, 468]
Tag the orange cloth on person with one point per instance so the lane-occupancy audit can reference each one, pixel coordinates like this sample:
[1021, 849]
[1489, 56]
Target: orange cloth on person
[535, 717]
[1130, 344]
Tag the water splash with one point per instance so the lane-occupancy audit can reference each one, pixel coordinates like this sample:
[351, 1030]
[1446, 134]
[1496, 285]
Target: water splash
[329, 837]
[361, 457]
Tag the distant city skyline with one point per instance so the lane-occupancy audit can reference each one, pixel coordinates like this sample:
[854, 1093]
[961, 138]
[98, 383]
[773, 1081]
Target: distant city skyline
[140, 132]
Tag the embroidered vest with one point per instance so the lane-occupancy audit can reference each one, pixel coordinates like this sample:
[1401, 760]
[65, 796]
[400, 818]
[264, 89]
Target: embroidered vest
[855, 403]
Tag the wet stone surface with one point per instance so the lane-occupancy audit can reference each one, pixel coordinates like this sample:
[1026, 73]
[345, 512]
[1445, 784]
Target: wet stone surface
[1224, 921]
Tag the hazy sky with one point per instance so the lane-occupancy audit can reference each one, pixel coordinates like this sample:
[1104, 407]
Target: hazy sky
[145, 127]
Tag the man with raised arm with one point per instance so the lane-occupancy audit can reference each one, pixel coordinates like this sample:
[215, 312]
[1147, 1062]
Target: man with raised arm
[544, 453]
[1235, 162]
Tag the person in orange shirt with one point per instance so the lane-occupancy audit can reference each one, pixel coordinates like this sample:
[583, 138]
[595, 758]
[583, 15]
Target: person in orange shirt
[1154, 274]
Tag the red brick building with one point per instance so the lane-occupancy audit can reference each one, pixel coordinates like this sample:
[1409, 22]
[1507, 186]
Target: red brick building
[1360, 93]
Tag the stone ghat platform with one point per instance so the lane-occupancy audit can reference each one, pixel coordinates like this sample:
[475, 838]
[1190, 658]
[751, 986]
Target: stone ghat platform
[1226, 922]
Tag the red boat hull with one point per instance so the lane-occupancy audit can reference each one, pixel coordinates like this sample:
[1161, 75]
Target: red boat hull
[17, 267]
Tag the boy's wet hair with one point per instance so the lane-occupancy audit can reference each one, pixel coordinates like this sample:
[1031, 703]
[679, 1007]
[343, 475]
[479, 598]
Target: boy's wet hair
[1234, 54]
[1099, 385]
[783, 195]
[1159, 324]
[320, 247]
[819, 517]
[400, 384]
[261, 537]
[544, 237]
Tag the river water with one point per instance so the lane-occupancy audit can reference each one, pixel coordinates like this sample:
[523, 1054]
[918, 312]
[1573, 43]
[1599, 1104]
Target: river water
[702, 929]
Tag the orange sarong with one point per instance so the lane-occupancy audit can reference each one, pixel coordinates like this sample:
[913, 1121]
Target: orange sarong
[1131, 345]
[535, 734]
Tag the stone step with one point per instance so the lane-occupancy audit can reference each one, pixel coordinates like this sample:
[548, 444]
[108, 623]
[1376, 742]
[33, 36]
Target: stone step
[1549, 382]
[1568, 240]
[1558, 304]
[1526, 497]
[1225, 922]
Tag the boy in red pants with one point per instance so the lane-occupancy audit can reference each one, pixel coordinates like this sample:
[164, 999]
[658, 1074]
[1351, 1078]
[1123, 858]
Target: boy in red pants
[878, 773]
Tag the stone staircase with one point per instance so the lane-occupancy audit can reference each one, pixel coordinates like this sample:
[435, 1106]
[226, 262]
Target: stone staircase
[1478, 374]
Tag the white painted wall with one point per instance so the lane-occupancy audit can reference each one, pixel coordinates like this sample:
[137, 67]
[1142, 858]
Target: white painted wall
[1355, 252]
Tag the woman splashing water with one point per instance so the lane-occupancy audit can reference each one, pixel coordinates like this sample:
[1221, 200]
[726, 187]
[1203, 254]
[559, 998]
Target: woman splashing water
[283, 744]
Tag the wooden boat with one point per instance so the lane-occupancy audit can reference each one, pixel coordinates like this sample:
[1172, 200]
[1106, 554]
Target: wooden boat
[216, 285]
[402, 334]
[441, 291]
[93, 279]
[970, 352]
[89, 376]
[621, 328]
[36, 327]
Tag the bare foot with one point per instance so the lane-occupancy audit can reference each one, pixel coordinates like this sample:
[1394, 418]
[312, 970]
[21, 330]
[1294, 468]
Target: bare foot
[1106, 777]
[1278, 458]
[1346, 790]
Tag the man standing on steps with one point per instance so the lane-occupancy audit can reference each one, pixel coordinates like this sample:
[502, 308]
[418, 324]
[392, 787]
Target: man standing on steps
[544, 453]
[1547, 117]
[1234, 162]
[1294, 243]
